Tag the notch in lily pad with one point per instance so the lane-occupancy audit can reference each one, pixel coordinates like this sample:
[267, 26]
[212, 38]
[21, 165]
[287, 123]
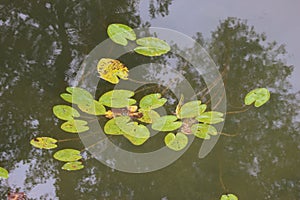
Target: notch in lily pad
[44, 142]
[203, 131]
[176, 142]
[152, 101]
[120, 33]
[258, 96]
[72, 166]
[67, 155]
[3, 173]
[150, 46]
[190, 109]
[229, 197]
[65, 112]
[166, 123]
[211, 117]
[77, 96]
[93, 108]
[117, 98]
[75, 126]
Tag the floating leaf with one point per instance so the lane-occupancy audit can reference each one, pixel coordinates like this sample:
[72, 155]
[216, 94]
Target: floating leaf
[3, 173]
[136, 133]
[211, 117]
[77, 96]
[150, 46]
[191, 109]
[203, 131]
[110, 70]
[229, 197]
[67, 97]
[93, 108]
[259, 95]
[120, 33]
[44, 142]
[166, 123]
[65, 112]
[152, 101]
[148, 116]
[71, 166]
[112, 126]
[176, 142]
[117, 98]
[75, 126]
[67, 155]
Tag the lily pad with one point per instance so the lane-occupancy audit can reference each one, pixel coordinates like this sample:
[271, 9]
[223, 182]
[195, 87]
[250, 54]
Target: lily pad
[72, 166]
[75, 126]
[191, 109]
[152, 101]
[166, 123]
[117, 98]
[176, 142]
[203, 131]
[136, 133]
[148, 116]
[77, 95]
[111, 70]
[44, 142]
[65, 112]
[150, 46]
[211, 117]
[67, 155]
[93, 108]
[229, 197]
[112, 126]
[258, 96]
[120, 33]
[3, 173]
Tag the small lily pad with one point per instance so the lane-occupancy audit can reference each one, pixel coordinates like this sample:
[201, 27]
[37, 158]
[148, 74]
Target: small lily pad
[148, 116]
[93, 108]
[72, 166]
[211, 117]
[152, 101]
[166, 123]
[44, 142]
[111, 70]
[136, 133]
[259, 96]
[75, 126]
[65, 112]
[112, 126]
[203, 131]
[117, 98]
[229, 197]
[67, 155]
[191, 109]
[3, 173]
[176, 142]
[150, 46]
[77, 95]
[120, 33]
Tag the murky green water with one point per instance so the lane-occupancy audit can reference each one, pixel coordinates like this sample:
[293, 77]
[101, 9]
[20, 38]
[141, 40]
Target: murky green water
[42, 45]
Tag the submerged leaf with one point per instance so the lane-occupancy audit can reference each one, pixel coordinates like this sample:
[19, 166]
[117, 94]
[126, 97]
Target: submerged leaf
[117, 98]
[176, 142]
[111, 70]
[148, 116]
[203, 131]
[67, 155]
[166, 123]
[229, 197]
[44, 142]
[191, 109]
[211, 117]
[75, 126]
[93, 108]
[3, 173]
[150, 46]
[65, 112]
[152, 101]
[120, 33]
[71, 166]
[259, 95]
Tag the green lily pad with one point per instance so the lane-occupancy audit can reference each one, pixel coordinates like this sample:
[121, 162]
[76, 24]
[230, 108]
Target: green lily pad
[3, 173]
[93, 108]
[75, 126]
[150, 46]
[67, 155]
[191, 109]
[229, 197]
[166, 123]
[77, 96]
[211, 117]
[111, 70]
[120, 33]
[65, 112]
[203, 131]
[152, 101]
[72, 166]
[44, 142]
[136, 133]
[112, 126]
[259, 95]
[148, 116]
[67, 97]
[117, 98]
[176, 142]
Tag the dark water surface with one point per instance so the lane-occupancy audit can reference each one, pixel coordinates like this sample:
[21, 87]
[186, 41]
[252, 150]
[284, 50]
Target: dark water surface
[42, 45]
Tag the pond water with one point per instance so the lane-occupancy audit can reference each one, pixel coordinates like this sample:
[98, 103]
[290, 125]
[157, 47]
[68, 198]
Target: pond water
[43, 44]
